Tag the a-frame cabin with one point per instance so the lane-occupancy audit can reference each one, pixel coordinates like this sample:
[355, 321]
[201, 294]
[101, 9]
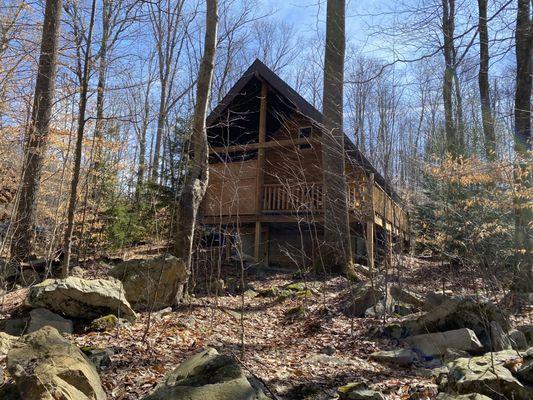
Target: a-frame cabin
[265, 177]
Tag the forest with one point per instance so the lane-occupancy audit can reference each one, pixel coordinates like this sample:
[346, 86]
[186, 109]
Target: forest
[251, 200]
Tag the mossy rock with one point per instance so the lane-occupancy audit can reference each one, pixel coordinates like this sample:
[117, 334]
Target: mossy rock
[305, 293]
[104, 324]
[295, 313]
[296, 286]
[284, 294]
[270, 292]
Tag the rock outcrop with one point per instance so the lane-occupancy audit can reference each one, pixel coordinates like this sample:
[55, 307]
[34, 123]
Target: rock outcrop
[487, 375]
[461, 312]
[436, 344]
[152, 283]
[81, 298]
[207, 376]
[46, 366]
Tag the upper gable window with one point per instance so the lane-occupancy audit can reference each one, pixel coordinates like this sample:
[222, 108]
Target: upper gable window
[304, 132]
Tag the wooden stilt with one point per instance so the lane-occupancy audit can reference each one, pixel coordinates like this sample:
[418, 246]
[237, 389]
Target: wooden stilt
[267, 245]
[370, 226]
[257, 241]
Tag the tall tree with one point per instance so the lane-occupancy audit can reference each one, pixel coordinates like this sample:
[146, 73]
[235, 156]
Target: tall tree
[448, 29]
[38, 133]
[484, 87]
[523, 140]
[336, 225]
[196, 182]
[67, 243]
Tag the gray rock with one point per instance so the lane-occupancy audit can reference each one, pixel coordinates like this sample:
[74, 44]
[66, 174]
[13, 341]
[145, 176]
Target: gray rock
[329, 350]
[527, 330]
[452, 354]
[525, 373]
[485, 375]
[15, 326]
[406, 296]
[81, 298]
[6, 342]
[518, 339]
[435, 299]
[152, 283]
[470, 396]
[44, 362]
[436, 344]
[206, 376]
[40, 317]
[250, 294]
[399, 357]
[364, 297]
[100, 358]
[500, 340]
[461, 312]
[359, 391]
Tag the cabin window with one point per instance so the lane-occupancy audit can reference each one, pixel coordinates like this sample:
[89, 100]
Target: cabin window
[304, 132]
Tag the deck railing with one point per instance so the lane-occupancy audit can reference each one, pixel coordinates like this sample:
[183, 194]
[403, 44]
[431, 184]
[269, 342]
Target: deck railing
[287, 198]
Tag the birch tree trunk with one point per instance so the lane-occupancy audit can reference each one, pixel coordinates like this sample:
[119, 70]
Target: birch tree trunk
[523, 142]
[37, 134]
[336, 225]
[196, 182]
[484, 87]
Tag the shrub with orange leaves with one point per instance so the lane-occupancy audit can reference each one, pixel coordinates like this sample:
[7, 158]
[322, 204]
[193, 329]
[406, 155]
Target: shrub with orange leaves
[466, 213]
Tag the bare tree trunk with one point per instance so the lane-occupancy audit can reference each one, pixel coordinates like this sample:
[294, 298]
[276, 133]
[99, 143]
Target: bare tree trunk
[38, 133]
[522, 114]
[336, 225]
[448, 27]
[484, 87]
[67, 244]
[197, 180]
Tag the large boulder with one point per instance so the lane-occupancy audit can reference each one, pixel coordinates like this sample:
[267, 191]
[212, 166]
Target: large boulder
[46, 366]
[436, 344]
[154, 283]
[364, 296]
[461, 312]
[206, 376]
[486, 375]
[406, 296]
[40, 317]
[81, 298]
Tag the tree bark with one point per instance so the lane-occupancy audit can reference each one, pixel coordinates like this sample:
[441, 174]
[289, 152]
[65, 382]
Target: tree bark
[197, 179]
[336, 225]
[448, 28]
[484, 87]
[37, 134]
[522, 115]
[67, 243]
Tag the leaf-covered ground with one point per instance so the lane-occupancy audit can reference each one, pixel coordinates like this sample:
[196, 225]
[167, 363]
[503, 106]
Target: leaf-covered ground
[285, 353]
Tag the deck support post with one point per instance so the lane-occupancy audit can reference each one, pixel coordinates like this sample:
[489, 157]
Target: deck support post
[257, 242]
[260, 169]
[370, 226]
[267, 245]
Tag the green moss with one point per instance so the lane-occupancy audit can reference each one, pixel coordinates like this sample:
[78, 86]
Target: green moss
[295, 286]
[105, 323]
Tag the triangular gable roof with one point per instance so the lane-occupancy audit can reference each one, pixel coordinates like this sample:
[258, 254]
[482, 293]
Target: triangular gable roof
[302, 106]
